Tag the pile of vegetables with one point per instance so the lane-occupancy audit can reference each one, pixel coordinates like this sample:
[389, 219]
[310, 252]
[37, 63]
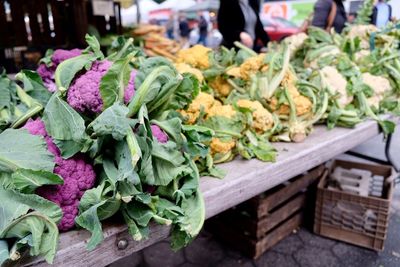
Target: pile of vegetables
[88, 137]
[107, 142]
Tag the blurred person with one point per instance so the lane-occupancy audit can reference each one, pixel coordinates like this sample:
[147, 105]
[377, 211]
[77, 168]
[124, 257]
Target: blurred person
[194, 35]
[184, 30]
[381, 14]
[170, 27]
[203, 31]
[238, 20]
[329, 14]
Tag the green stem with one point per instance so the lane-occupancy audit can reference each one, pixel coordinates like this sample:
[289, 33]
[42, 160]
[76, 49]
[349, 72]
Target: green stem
[144, 89]
[134, 148]
[124, 48]
[245, 48]
[29, 114]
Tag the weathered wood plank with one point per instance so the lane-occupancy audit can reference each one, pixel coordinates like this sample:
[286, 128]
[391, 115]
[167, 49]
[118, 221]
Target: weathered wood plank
[245, 179]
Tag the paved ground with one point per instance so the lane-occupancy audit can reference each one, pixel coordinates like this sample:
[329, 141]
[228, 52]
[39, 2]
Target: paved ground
[299, 249]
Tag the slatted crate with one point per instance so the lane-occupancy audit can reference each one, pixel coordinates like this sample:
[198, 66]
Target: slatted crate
[351, 218]
[258, 224]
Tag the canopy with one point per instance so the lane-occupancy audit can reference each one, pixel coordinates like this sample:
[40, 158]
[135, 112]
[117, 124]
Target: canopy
[176, 4]
[205, 5]
[129, 15]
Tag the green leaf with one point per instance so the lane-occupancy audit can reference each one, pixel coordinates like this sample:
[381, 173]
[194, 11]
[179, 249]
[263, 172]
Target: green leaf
[95, 206]
[94, 46]
[34, 86]
[43, 231]
[62, 121]
[27, 181]
[192, 221]
[15, 204]
[19, 149]
[387, 127]
[112, 121]
[91, 222]
[114, 82]
[67, 70]
[225, 126]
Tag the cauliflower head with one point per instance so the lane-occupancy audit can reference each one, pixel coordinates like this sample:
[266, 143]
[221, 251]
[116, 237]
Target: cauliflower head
[338, 84]
[185, 68]
[302, 103]
[78, 175]
[159, 134]
[379, 84]
[84, 92]
[202, 101]
[221, 110]
[295, 42]
[262, 118]
[221, 86]
[196, 56]
[363, 32]
[221, 146]
[251, 66]
[47, 72]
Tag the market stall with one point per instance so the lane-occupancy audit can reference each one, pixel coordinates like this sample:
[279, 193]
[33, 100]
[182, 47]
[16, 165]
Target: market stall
[244, 180]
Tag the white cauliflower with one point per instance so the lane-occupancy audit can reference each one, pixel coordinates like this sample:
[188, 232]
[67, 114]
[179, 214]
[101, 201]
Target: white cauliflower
[337, 83]
[363, 32]
[379, 84]
[361, 54]
[295, 42]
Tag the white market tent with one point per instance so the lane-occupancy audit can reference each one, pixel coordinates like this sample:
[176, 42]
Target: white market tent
[129, 15]
[205, 5]
[176, 5]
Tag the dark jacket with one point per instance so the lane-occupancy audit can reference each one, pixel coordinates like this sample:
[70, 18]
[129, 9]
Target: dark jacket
[322, 8]
[231, 22]
[375, 14]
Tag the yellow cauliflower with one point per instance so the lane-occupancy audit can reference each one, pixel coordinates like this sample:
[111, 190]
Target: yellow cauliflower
[196, 56]
[303, 104]
[221, 110]
[262, 118]
[337, 83]
[202, 101]
[379, 84]
[185, 68]
[219, 146]
[250, 66]
[221, 86]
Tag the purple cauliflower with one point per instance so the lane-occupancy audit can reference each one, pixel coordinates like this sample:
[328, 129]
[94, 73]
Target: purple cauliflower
[159, 134]
[77, 173]
[84, 92]
[47, 72]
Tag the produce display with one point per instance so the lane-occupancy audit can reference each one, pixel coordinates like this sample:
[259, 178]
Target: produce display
[154, 41]
[88, 137]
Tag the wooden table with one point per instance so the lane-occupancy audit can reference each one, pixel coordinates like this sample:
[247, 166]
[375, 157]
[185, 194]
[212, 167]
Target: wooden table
[245, 179]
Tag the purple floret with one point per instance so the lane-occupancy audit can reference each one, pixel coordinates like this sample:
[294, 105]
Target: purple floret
[84, 93]
[60, 55]
[77, 173]
[47, 72]
[159, 134]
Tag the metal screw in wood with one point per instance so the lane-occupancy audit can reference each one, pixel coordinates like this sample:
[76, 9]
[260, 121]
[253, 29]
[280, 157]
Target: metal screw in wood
[122, 244]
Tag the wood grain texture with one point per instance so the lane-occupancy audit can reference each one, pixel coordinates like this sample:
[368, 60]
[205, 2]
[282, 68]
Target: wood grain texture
[244, 180]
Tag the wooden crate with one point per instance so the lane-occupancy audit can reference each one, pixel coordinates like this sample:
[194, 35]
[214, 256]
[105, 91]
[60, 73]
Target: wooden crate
[337, 213]
[258, 224]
